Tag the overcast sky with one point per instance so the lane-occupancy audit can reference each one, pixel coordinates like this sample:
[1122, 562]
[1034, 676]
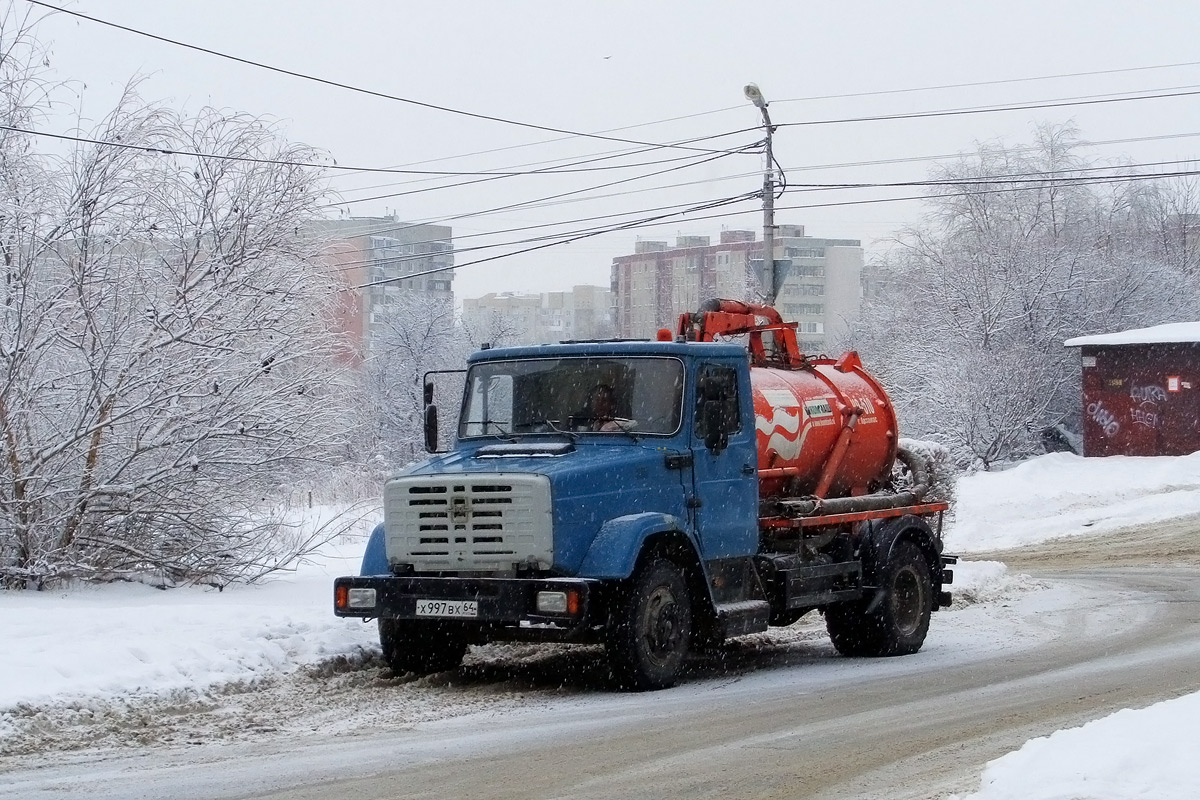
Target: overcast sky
[595, 66]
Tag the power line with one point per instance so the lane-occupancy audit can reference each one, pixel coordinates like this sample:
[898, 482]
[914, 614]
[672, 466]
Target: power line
[881, 92]
[797, 168]
[558, 139]
[547, 171]
[349, 87]
[346, 266]
[1040, 178]
[1023, 177]
[651, 222]
[873, 201]
[611, 229]
[565, 161]
[997, 82]
[952, 112]
[571, 133]
[316, 165]
[522, 204]
[811, 167]
[492, 174]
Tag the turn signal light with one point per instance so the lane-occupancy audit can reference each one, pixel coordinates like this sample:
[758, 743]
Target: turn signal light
[558, 602]
[341, 597]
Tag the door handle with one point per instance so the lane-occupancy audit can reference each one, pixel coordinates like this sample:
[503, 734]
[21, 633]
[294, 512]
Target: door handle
[748, 469]
[679, 461]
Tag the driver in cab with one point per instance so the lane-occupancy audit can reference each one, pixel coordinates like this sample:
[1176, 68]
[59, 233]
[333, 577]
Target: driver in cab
[601, 411]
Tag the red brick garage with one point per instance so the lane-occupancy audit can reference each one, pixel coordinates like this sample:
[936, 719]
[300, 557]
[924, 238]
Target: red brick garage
[1141, 391]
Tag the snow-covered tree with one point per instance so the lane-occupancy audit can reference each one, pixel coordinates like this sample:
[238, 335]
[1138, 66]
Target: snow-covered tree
[986, 290]
[413, 334]
[166, 361]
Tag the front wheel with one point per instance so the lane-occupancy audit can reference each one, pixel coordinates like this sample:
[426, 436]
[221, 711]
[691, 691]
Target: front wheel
[650, 627]
[893, 624]
[422, 648]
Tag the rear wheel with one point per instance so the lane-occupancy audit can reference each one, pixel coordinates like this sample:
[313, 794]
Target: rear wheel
[894, 624]
[650, 627]
[410, 646]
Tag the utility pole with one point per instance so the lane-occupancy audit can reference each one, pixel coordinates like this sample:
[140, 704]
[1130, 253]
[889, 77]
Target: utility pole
[770, 279]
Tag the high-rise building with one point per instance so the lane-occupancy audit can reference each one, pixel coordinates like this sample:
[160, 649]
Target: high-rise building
[380, 260]
[582, 313]
[820, 289]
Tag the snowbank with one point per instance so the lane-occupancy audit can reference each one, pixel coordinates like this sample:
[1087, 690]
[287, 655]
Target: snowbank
[108, 641]
[1062, 494]
[987, 582]
[1149, 753]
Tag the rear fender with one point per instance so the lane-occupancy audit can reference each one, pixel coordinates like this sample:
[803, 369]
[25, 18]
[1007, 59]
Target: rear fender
[615, 550]
[374, 560]
[881, 543]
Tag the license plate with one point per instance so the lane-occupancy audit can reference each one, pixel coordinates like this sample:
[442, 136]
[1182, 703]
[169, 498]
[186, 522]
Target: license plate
[447, 608]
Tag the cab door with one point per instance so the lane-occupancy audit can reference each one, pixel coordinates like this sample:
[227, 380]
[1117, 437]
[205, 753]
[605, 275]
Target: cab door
[725, 462]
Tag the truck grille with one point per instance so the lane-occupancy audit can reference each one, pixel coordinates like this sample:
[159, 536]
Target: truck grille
[477, 523]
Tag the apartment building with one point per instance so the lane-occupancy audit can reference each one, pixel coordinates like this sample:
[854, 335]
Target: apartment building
[511, 318]
[820, 290]
[379, 261]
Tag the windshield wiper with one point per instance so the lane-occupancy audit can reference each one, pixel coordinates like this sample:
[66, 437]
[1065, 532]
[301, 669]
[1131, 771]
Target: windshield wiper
[619, 426]
[553, 425]
[627, 431]
[503, 435]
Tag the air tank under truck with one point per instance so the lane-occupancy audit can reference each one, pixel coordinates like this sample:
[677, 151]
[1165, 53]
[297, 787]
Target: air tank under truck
[658, 497]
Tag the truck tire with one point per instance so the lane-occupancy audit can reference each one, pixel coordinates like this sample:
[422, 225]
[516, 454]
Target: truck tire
[421, 648]
[894, 624]
[650, 627]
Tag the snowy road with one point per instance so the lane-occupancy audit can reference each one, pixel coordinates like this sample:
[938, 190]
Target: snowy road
[784, 719]
[825, 730]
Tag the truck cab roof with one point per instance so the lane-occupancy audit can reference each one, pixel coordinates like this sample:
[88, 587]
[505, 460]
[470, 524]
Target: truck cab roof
[614, 347]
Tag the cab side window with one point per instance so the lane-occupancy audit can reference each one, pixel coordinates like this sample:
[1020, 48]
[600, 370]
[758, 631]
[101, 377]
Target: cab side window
[717, 405]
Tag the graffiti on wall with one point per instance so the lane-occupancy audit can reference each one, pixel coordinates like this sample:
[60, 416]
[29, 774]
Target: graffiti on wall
[1104, 418]
[1147, 399]
[1147, 394]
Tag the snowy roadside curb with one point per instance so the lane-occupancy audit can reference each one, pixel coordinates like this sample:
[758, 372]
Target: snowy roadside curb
[1144, 753]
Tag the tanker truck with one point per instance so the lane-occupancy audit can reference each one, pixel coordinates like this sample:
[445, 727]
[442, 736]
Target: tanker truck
[657, 497]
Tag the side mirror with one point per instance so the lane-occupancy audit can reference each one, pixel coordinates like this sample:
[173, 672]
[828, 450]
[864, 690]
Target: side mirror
[713, 419]
[431, 426]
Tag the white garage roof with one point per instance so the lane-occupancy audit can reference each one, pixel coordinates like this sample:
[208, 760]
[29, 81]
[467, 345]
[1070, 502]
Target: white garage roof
[1159, 334]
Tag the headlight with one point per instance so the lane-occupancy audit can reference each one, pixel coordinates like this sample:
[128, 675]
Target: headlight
[361, 598]
[552, 602]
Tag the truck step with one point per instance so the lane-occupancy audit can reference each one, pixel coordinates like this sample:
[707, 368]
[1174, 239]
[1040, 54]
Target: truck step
[819, 584]
[743, 616]
[814, 599]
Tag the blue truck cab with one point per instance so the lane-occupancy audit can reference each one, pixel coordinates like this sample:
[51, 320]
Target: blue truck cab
[593, 492]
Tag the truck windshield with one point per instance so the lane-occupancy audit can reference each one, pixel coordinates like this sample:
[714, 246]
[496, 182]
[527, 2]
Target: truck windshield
[639, 395]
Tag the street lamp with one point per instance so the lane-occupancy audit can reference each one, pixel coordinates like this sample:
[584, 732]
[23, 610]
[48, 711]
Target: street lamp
[769, 280]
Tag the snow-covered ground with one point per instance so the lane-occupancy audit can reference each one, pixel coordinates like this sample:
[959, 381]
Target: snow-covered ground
[1144, 753]
[117, 642]
[1062, 494]
[127, 639]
